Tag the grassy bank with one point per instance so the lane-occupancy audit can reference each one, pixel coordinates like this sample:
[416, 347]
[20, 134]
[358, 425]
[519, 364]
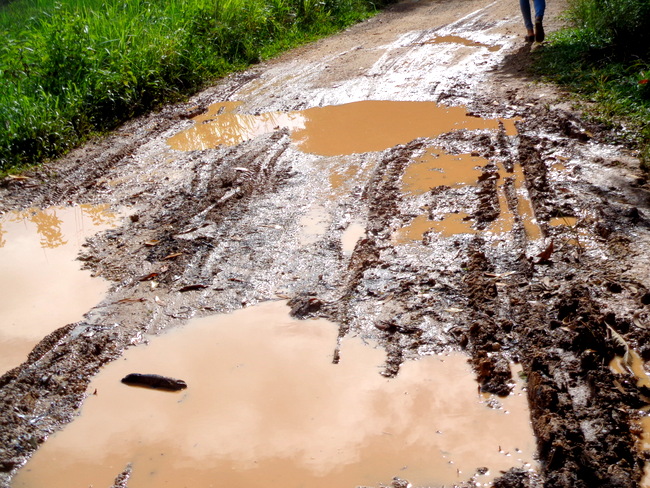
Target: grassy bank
[70, 70]
[604, 55]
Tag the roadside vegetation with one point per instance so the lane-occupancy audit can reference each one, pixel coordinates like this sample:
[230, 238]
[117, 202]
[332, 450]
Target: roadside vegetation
[604, 55]
[80, 67]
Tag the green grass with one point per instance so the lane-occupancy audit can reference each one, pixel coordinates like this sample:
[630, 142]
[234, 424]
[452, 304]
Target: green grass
[604, 57]
[70, 70]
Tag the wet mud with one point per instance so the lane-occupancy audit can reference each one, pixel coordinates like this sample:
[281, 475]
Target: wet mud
[522, 242]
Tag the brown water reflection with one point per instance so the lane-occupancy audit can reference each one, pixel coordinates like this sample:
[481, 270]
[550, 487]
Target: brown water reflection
[436, 168]
[42, 286]
[266, 407]
[357, 127]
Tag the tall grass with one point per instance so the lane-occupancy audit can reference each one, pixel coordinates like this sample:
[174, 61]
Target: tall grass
[604, 55]
[74, 69]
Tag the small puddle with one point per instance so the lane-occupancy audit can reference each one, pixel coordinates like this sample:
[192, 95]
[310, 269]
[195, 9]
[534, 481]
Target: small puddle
[634, 364]
[462, 41]
[42, 284]
[436, 168]
[335, 130]
[452, 224]
[351, 236]
[266, 407]
[314, 225]
[568, 221]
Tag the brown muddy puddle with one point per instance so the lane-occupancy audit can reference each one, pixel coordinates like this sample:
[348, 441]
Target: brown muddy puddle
[266, 407]
[437, 168]
[335, 130]
[42, 286]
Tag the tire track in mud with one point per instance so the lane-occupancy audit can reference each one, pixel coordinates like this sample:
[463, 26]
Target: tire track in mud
[547, 314]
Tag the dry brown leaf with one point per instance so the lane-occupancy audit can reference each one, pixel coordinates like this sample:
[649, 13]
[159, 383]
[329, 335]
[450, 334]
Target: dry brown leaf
[131, 300]
[500, 275]
[151, 243]
[545, 255]
[192, 287]
[148, 277]
[19, 177]
[172, 255]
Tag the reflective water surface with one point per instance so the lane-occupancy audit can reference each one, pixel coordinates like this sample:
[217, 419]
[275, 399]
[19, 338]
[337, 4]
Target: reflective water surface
[436, 168]
[357, 127]
[266, 407]
[42, 286]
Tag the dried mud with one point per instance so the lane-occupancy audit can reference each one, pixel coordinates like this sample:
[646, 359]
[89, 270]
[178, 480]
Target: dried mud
[227, 234]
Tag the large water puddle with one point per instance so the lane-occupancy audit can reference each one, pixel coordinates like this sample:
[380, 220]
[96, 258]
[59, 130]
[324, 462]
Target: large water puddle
[42, 286]
[334, 130]
[266, 407]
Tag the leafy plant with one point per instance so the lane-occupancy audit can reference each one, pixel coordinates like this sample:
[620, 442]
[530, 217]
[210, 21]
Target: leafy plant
[604, 55]
[68, 70]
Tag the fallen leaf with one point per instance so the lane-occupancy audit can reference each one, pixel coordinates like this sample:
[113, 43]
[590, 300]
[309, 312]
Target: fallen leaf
[131, 300]
[148, 277]
[192, 287]
[151, 243]
[19, 177]
[154, 284]
[453, 310]
[500, 275]
[243, 170]
[187, 231]
[545, 255]
[619, 387]
[158, 301]
[172, 255]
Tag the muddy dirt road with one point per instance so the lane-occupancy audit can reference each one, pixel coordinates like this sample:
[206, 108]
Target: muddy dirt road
[403, 179]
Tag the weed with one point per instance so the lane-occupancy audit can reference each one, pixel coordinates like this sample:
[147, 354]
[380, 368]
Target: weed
[74, 69]
[604, 56]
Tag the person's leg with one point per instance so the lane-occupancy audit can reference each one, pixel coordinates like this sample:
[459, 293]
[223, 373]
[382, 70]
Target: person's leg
[528, 21]
[540, 7]
[525, 12]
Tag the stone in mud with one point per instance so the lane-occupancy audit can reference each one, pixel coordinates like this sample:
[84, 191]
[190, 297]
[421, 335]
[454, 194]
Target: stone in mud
[304, 306]
[518, 478]
[154, 381]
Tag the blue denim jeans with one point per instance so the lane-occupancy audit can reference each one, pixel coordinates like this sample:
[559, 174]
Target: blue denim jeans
[540, 6]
